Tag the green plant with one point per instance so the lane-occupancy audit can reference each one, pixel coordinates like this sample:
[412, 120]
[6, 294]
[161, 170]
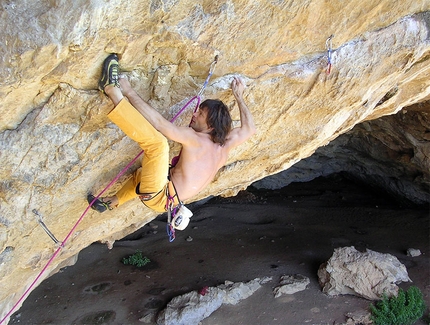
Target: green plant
[405, 309]
[137, 259]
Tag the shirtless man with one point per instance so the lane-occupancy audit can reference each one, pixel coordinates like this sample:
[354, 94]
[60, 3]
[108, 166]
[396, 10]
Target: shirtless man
[205, 144]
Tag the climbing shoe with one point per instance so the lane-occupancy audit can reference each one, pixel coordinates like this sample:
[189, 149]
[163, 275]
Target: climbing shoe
[110, 72]
[99, 205]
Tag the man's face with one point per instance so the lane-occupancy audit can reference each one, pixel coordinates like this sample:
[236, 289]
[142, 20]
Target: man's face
[199, 120]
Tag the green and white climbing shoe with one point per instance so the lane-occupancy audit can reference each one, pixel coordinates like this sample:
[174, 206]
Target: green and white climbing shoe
[110, 72]
[99, 205]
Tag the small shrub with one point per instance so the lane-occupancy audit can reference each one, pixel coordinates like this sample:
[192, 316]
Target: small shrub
[405, 309]
[137, 259]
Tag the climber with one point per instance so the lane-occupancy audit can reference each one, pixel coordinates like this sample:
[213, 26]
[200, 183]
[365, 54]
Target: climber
[205, 144]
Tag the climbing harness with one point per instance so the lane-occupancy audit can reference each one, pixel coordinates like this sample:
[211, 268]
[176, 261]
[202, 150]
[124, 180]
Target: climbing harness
[328, 45]
[180, 212]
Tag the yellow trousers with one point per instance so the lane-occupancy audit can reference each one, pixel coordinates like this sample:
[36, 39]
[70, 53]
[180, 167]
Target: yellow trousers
[155, 163]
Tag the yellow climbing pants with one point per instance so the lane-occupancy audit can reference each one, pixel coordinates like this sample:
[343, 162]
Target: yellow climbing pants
[155, 162]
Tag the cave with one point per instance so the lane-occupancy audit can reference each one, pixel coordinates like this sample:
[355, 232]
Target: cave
[267, 230]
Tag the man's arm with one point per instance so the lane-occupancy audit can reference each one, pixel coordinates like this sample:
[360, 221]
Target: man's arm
[247, 127]
[165, 127]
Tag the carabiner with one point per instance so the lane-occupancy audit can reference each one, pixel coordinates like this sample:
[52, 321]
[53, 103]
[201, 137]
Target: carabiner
[211, 70]
[171, 232]
[328, 45]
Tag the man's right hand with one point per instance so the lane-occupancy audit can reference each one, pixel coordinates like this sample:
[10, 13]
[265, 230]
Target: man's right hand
[237, 87]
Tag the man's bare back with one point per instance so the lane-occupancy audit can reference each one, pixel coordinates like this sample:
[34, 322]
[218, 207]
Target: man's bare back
[198, 166]
[200, 161]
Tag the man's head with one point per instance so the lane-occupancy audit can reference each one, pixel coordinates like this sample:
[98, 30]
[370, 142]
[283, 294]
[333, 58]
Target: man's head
[218, 119]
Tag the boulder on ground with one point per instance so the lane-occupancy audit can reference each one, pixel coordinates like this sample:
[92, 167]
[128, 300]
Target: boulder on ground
[368, 275]
[291, 284]
[413, 252]
[194, 306]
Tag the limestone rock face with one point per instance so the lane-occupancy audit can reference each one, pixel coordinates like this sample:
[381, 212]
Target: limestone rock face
[56, 144]
[368, 275]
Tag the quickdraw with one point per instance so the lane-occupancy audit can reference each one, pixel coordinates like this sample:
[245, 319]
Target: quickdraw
[211, 70]
[328, 45]
[171, 211]
[42, 224]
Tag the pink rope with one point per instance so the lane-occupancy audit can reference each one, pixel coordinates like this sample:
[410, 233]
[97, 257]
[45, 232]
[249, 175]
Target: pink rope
[69, 235]
[186, 105]
[57, 251]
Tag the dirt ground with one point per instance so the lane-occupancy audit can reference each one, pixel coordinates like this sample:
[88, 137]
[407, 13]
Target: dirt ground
[254, 235]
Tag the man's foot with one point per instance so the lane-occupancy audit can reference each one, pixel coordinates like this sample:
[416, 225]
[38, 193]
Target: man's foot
[110, 72]
[99, 205]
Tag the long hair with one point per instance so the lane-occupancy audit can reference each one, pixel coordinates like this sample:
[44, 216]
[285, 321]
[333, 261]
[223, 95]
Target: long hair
[218, 118]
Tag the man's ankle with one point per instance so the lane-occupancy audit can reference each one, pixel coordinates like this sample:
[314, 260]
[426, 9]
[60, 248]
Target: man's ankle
[113, 201]
[114, 94]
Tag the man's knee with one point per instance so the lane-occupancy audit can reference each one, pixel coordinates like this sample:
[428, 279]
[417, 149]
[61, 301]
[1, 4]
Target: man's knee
[157, 147]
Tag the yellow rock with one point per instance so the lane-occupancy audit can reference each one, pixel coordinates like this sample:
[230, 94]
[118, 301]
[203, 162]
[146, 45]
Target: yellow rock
[57, 145]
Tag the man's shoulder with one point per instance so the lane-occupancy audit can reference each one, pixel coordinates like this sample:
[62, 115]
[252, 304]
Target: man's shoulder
[196, 139]
[236, 137]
